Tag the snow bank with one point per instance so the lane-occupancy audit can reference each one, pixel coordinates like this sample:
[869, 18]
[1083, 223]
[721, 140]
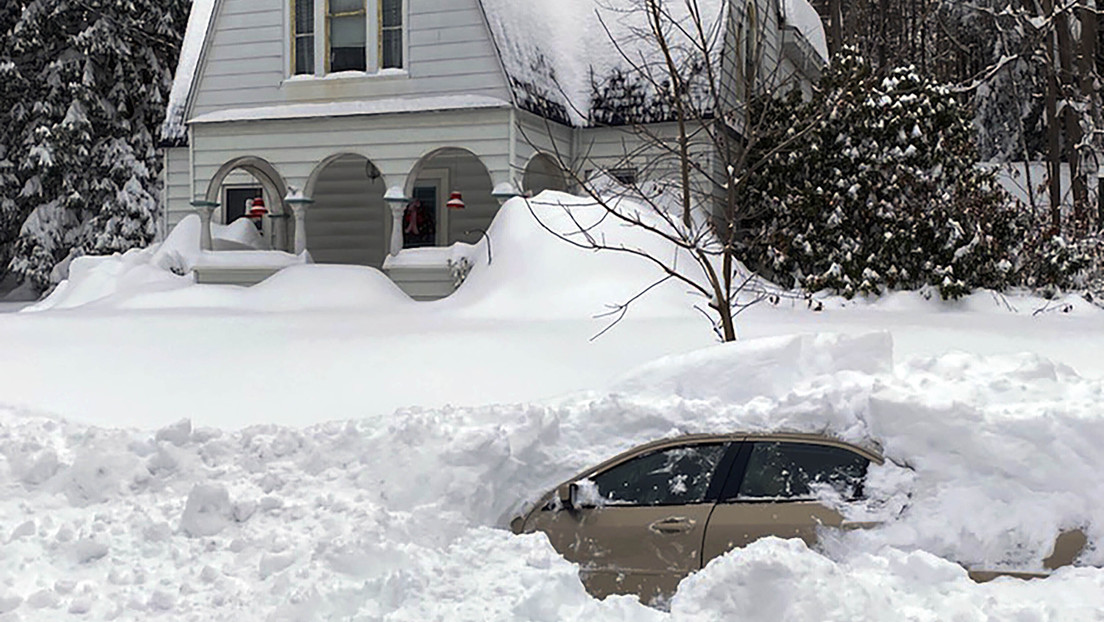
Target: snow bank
[394, 518]
[535, 275]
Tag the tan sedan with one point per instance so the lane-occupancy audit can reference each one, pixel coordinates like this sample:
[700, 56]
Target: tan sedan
[642, 521]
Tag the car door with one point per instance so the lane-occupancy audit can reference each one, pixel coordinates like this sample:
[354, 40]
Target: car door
[641, 531]
[772, 492]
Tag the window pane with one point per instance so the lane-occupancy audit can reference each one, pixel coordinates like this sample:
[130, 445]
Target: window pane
[304, 55]
[347, 32]
[304, 17]
[391, 11]
[345, 6]
[392, 49]
[677, 476]
[790, 470]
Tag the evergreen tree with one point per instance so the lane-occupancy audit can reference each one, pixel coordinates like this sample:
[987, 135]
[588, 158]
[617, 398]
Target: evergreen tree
[89, 84]
[884, 193]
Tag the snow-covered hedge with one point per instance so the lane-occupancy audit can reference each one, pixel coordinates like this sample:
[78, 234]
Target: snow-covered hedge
[883, 192]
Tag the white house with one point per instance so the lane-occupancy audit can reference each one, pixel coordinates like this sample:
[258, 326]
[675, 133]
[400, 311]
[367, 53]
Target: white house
[374, 112]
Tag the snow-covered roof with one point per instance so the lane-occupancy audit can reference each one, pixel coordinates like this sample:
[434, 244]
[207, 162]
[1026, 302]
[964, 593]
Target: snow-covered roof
[199, 22]
[562, 60]
[353, 108]
[804, 18]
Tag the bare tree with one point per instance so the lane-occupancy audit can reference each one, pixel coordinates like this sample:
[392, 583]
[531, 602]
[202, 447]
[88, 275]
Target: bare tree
[695, 151]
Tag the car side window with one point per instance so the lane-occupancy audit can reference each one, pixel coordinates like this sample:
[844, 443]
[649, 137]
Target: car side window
[781, 470]
[676, 476]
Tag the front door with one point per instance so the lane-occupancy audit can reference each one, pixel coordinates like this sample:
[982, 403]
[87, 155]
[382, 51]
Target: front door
[420, 219]
[643, 529]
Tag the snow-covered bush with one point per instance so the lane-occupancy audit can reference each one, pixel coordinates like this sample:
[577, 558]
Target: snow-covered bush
[885, 193]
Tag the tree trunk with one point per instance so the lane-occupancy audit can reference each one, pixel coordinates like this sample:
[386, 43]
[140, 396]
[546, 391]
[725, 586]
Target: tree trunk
[1054, 132]
[1087, 69]
[835, 26]
[1070, 116]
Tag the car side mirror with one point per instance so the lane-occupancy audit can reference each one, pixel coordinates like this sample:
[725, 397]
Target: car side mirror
[568, 495]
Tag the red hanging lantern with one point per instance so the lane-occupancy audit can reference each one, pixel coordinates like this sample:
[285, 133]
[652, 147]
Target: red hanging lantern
[257, 210]
[455, 201]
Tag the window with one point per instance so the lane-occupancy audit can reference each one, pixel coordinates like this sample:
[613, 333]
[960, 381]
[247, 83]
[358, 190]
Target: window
[626, 176]
[358, 35]
[677, 476]
[348, 35]
[238, 198]
[391, 34]
[793, 470]
[302, 37]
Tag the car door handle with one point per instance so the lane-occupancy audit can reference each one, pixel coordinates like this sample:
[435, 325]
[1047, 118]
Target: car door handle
[849, 525]
[675, 524]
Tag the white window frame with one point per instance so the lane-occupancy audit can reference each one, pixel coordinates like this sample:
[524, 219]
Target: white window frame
[373, 45]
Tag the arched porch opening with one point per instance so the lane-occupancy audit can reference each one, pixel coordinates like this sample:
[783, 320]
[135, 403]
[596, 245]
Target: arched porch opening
[238, 182]
[543, 172]
[347, 223]
[440, 173]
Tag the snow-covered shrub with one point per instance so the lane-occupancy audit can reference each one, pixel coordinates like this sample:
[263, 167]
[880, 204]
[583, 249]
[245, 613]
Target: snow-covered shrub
[883, 192]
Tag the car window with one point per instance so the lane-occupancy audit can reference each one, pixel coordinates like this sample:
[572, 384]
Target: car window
[676, 476]
[780, 470]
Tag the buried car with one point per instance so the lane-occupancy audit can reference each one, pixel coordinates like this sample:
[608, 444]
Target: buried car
[642, 521]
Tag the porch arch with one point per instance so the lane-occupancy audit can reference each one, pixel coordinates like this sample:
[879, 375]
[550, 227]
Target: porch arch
[446, 170]
[543, 172]
[348, 221]
[278, 227]
[261, 170]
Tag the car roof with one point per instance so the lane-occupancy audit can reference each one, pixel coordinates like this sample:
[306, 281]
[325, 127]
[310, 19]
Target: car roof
[872, 452]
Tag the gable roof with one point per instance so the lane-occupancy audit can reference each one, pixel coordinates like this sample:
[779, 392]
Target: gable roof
[560, 57]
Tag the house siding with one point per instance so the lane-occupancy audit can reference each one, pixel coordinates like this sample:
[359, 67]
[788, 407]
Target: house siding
[177, 191]
[247, 61]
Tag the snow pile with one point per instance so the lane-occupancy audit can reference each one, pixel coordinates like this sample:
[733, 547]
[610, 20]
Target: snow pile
[394, 518]
[533, 274]
[105, 280]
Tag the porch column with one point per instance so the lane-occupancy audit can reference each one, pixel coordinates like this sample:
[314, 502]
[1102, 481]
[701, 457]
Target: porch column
[396, 199]
[204, 209]
[299, 204]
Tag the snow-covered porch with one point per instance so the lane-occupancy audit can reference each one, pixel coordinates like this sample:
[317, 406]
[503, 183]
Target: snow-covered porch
[388, 185]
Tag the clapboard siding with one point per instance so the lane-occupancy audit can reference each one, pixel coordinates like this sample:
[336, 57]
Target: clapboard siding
[534, 136]
[246, 62]
[347, 223]
[178, 195]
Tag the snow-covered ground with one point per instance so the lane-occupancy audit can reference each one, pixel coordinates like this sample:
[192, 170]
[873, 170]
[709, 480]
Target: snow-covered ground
[320, 447]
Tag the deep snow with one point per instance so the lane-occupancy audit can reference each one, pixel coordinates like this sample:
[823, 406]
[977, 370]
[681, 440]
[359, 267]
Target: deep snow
[289, 451]
[399, 518]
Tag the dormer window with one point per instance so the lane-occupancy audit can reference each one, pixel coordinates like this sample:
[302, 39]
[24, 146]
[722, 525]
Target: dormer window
[356, 36]
[302, 34]
[348, 24]
[391, 34]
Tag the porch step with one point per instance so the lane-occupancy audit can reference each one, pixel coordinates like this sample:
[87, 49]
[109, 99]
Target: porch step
[422, 282]
[227, 275]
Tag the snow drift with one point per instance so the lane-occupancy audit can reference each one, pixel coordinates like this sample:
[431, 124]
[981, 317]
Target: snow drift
[399, 518]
